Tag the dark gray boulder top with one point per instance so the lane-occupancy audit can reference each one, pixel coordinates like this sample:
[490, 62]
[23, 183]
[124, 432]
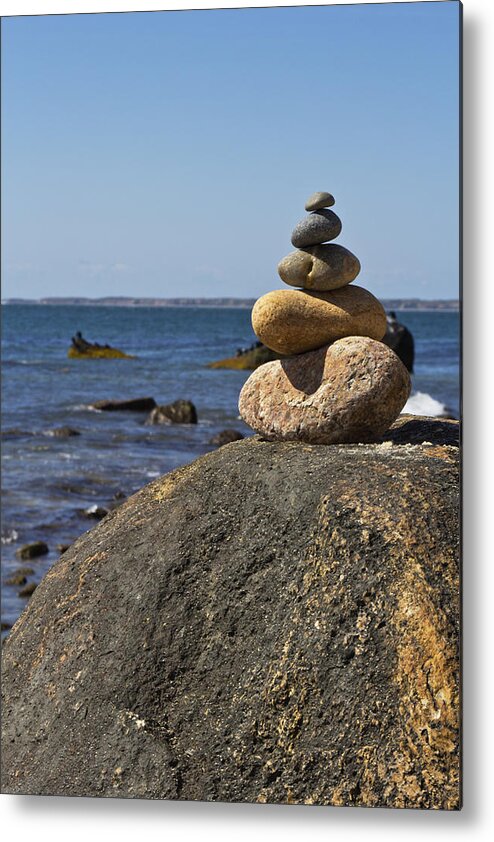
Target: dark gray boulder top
[274, 622]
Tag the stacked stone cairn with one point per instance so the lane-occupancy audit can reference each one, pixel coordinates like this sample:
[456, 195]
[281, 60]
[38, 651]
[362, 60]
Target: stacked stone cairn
[336, 382]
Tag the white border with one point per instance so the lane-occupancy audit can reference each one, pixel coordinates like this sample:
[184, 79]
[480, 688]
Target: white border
[40, 819]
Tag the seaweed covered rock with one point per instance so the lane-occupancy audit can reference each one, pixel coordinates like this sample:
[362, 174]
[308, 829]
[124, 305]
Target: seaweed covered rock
[276, 622]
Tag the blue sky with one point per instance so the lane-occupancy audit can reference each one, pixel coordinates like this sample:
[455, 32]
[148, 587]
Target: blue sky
[171, 153]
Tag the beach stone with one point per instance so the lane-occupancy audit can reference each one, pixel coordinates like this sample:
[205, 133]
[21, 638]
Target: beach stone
[178, 412]
[33, 550]
[318, 201]
[15, 579]
[321, 268]
[295, 321]
[350, 391]
[62, 432]
[132, 405]
[226, 437]
[28, 590]
[317, 227]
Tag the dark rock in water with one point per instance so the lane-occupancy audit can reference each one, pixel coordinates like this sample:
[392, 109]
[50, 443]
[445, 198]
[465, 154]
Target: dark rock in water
[6, 626]
[249, 359]
[96, 512]
[226, 437]
[274, 623]
[132, 405]
[178, 412]
[62, 548]
[400, 340]
[24, 571]
[15, 579]
[15, 432]
[28, 590]
[62, 432]
[33, 550]
[81, 349]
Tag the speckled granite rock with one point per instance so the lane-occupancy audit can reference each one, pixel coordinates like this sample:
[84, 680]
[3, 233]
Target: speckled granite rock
[319, 200]
[295, 321]
[317, 227]
[350, 391]
[274, 622]
[319, 267]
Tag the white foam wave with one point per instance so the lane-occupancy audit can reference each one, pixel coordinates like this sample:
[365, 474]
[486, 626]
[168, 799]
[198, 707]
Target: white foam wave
[84, 407]
[9, 536]
[421, 403]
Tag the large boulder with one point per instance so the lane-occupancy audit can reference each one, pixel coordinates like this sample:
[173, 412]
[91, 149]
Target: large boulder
[275, 622]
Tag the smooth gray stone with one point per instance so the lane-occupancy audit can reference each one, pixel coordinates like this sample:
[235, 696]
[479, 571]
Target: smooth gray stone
[316, 228]
[318, 201]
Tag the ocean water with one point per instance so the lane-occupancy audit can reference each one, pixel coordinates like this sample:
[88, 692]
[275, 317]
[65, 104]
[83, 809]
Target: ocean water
[48, 482]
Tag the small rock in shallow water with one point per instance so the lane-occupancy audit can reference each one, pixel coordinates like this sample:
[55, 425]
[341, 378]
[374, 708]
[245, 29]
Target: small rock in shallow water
[317, 227]
[318, 201]
[350, 391]
[28, 590]
[132, 405]
[15, 579]
[33, 550]
[319, 267]
[225, 437]
[62, 548]
[62, 432]
[97, 512]
[294, 321]
[178, 412]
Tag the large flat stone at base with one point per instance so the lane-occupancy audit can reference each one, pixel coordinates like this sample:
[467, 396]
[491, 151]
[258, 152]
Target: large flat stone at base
[273, 623]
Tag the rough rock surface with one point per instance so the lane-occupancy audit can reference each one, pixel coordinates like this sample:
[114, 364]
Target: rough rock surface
[274, 622]
[319, 200]
[178, 412]
[317, 227]
[319, 267]
[294, 321]
[350, 391]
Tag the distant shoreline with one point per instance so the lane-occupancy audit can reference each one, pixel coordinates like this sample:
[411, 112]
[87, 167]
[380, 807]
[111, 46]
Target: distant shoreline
[407, 304]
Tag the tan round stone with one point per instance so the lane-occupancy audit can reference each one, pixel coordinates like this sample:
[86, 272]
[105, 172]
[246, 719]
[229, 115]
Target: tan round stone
[350, 391]
[320, 268]
[292, 321]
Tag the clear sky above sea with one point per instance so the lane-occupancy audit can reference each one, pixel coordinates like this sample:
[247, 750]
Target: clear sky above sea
[171, 153]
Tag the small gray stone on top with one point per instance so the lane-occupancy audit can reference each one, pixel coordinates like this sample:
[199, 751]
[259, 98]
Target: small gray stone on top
[318, 201]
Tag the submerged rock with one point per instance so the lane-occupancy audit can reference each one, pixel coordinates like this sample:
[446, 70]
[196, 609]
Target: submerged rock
[28, 590]
[131, 405]
[178, 412]
[62, 432]
[96, 512]
[33, 550]
[247, 360]
[226, 437]
[275, 622]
